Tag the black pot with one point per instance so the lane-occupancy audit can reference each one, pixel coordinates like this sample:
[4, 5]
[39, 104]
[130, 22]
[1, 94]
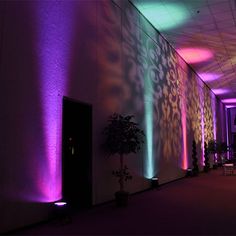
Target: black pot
[215, 166]
[122, 198]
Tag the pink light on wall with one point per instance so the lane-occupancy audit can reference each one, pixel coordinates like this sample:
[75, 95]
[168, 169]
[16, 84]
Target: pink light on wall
[184, 130]
[183, 106]
[54, 30]
[195, 55]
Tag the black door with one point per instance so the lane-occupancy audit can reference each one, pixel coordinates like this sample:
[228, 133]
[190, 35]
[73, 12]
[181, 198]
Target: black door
[77, 153]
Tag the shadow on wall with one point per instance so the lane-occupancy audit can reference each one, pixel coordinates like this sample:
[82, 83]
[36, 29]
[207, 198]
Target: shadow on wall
[22, 140]
[83, 72]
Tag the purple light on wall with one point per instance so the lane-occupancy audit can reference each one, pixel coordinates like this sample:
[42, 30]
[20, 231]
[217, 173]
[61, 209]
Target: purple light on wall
[229, 100]
[227, 129]
[54, 21]
[220, 91]
[208, 77]
[213, 107]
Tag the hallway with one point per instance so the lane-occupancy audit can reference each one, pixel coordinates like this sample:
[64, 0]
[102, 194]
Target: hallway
[203, 205]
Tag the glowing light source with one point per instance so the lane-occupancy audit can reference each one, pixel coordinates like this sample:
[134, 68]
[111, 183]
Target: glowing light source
[166, 16]
[220, 91]
[60, 204]
[208, 77]
[154, 182]
[195, 55]
[229, 100]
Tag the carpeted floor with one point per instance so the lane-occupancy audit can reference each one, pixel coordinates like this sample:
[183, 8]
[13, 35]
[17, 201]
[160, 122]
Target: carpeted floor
[203, 205]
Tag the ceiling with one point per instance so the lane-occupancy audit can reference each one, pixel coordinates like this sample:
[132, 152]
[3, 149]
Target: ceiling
[204, 33]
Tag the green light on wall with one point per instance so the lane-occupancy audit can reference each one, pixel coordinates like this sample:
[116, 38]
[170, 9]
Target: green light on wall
[166, 16]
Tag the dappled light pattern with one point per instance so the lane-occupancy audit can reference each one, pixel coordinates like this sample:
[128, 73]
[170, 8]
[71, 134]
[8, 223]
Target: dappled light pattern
[208, 116]
[170, 119]
[182, 81]
[113, 92]
[194, 108]
[141, 74]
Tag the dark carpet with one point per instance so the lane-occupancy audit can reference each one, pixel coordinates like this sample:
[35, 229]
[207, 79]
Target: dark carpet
[202, 205]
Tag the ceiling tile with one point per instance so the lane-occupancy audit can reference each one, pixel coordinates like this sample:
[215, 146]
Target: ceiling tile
[212, 2]
[225, 24]
[211, 26]
[223, 16]
[220, 7]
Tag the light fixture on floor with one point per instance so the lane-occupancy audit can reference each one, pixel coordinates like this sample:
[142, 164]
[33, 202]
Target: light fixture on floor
[189, 172]
[154, 182]
[60, 203]
[61, 211]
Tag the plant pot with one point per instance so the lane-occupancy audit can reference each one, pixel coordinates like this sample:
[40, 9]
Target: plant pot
[215, 166]
[122, 198]
[206, 169]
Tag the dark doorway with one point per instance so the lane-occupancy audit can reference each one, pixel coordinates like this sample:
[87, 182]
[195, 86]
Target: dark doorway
[77, 153]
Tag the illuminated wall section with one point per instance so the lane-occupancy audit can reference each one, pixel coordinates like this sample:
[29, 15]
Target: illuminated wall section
[208, 77]
[200, 87]
[149, 173]
[157, 13]
[208, 115]
[149, 76]
[227, 128]
[213, 107]
[54, 28]
[183, 106]
[195, 55]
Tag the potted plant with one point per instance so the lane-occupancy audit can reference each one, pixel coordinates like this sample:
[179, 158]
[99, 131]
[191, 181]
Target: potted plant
[122, 137]
[206, 158]
[195, 169]
[222, 149]
[212, 149]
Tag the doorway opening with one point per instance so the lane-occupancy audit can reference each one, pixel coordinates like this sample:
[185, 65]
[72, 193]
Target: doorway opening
[77, 153]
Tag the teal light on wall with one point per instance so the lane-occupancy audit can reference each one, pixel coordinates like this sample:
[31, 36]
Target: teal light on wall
[149, 140]
[166, 16]
[149, 166]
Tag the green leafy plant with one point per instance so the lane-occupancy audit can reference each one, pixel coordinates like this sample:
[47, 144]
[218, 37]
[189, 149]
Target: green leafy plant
[206, 158]
[212, 150]
[122, 136]
[221, 150]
